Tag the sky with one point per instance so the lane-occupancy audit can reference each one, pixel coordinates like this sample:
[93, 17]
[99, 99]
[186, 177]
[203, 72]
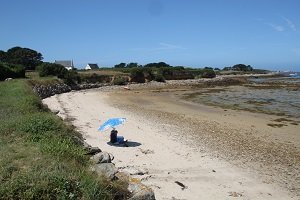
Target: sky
[195, 33]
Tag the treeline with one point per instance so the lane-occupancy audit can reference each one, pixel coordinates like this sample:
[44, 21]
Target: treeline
[25, 57]
[161, 71]
[239, 67]
[150, 65]
[15, 61]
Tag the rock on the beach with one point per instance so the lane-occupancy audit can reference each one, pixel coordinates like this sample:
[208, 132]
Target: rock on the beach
[106, 169]
[139, 191]
[102, 157]
[135, 171]
[92, 150]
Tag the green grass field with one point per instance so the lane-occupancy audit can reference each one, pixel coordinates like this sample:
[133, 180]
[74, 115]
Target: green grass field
[39, 158]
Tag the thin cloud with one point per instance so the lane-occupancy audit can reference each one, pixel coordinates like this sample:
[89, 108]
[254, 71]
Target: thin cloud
[277, 27]
[290, 24]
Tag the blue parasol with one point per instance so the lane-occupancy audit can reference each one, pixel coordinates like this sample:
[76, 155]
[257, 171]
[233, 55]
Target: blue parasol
[111, 123]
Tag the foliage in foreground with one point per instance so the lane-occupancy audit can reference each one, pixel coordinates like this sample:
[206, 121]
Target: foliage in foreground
[40, 159]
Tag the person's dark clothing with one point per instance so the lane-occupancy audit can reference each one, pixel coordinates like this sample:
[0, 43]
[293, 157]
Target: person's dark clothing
[113, 136]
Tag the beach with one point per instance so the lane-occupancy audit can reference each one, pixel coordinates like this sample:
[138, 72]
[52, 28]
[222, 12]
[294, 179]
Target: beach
[184, 150]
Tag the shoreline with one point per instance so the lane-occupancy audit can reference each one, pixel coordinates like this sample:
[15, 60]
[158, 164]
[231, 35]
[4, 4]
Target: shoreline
[162, 153]
[239, 137]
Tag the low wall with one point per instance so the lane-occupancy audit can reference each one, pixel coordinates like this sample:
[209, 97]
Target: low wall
[45, 91]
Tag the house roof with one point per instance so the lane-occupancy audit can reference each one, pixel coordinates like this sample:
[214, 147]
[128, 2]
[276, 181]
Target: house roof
[65, 63]
[93, 66]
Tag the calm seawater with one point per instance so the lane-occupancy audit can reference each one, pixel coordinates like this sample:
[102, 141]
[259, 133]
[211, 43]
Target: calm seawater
[279, 96]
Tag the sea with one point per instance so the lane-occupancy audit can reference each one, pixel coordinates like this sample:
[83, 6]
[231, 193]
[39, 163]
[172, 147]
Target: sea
[277, 96]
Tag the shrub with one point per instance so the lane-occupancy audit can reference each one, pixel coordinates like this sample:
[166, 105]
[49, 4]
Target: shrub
[208, 73]
[51, 69]
[94, 78]
[71, 77]
[203, 73]
[159, 78]
[119, 80]
[11, 71]
[137, 75]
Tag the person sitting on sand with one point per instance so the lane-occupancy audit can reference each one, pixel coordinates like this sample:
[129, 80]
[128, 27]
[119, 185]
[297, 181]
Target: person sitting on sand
[114, 138]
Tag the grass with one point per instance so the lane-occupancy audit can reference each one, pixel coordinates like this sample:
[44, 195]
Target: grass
[39, 156]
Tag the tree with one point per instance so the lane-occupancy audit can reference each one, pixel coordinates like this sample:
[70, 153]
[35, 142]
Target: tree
[157, 65]
[242, 67]
[132, 65]
[121, 65]
[2, 56]
[24, 56]
[227, 68]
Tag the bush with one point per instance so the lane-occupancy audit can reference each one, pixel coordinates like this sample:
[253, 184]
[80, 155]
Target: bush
[71, 77]
[203, 73]
[51, 69]
[208, 73]
[137, 75]
[11, 71]
[94, 78]
[159, 78]
[119, 80]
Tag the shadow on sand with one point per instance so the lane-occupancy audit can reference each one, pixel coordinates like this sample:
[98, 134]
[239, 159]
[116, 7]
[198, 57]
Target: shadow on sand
[126, 144]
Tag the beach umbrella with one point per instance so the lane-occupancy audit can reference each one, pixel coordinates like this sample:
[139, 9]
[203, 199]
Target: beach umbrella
[112, 123]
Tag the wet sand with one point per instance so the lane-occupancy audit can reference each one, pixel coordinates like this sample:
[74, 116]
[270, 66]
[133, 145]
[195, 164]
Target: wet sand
[215, 153]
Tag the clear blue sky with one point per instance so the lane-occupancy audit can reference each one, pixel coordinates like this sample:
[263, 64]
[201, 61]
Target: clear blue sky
[196, 33]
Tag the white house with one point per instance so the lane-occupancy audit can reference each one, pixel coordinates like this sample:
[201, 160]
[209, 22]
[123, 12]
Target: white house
[68, 64]
[91, 66]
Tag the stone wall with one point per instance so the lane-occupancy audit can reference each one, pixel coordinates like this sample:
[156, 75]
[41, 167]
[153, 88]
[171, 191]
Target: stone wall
[45, 91]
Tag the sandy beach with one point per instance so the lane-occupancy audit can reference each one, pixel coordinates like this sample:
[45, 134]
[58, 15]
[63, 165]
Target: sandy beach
[214, 153]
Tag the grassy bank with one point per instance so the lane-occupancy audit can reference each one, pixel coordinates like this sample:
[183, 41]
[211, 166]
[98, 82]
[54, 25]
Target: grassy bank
[39, 158]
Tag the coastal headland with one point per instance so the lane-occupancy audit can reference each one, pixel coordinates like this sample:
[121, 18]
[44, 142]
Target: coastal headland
[185, 150]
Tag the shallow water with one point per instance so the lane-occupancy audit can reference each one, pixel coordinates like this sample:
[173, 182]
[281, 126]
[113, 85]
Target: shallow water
[279, 100]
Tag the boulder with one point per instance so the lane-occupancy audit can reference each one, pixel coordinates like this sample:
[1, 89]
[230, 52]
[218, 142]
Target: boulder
[102, 157]
[106, 169]
[136, 171]
[92, 150]
[139, 191]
